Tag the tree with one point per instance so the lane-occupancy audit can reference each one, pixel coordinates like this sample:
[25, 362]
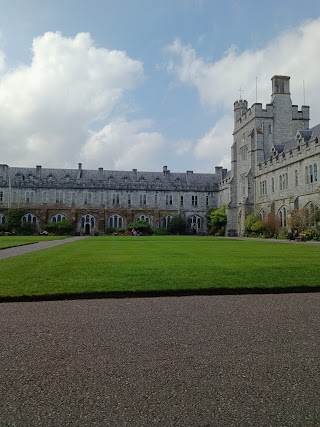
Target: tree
[217, 220]
[142, 226]
[177, 225]
[272, 224]
[14, 217]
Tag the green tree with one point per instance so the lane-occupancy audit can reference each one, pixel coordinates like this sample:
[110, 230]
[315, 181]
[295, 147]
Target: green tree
[217, 220]
[177, 225]
[14, 217]
[142, 226]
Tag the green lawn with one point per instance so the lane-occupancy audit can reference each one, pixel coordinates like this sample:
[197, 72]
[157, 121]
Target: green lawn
[10, 241]
[116, 263]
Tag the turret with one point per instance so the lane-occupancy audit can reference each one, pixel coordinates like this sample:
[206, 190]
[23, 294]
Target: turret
[240, 108]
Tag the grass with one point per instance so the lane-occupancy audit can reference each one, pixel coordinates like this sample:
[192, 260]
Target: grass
[160, 263]
[10, 241]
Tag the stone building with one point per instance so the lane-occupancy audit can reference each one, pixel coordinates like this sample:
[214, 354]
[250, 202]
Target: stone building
[274, 168]
[96, 199]
[274, 160]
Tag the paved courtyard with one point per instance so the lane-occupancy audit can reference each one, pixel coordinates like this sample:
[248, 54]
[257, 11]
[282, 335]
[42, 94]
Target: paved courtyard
[247, 360]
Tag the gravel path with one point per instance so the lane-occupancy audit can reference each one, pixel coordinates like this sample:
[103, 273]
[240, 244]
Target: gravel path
[20, 250]
[225, 361]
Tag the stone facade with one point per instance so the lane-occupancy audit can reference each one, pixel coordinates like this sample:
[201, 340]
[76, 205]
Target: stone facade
[274, 168]
[94, 200]
[274, 160]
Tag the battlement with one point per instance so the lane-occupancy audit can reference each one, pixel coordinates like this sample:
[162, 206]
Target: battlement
[257, 112]
[301, 152]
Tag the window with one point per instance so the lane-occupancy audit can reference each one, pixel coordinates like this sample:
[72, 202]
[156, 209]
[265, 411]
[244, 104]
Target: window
[143, 199]
[207, 200]
[166, 221]
[101, 199]
[283, 217]
[168, 199]
[129, 199]
[194, 224]
[243, 152]
[283, 181]
[272, 185]
[30, 218]
[156, 199]
[44, 197]
[29, 196]
[73, 198]
[59, 197]
[296, 179]
[269, 129]
[116, 221]
[115, 199]
[1, 196]
[2, 219]
[87, 198]
[243, 185]
[58, 218]
[181, 200]
[311, 173]
[194, 200]
[262, 215]
[143, 218]
[263, 188]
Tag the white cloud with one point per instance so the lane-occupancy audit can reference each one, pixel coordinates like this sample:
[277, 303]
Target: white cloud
[123, 145]
[215, 144]
[295, 53]
[47, 107]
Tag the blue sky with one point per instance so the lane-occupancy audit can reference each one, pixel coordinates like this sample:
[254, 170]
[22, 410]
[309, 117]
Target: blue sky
[141, 84]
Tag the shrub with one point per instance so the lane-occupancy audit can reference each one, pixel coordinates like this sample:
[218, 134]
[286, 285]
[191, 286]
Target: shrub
[177, 225]
[110, 230]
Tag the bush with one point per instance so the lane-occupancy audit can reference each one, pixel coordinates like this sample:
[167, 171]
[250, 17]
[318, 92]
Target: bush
[142, 226]
[177, 225]
[110, 230]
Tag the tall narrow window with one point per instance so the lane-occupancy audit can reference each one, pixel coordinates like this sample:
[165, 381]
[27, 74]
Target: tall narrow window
[296, 180]
[272, 185]
[315, 172]
[207, 200]
[129, 199]
[181, 200]
[1, 196]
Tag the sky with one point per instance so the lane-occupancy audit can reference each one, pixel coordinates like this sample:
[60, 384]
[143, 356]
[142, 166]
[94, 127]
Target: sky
[124, 84]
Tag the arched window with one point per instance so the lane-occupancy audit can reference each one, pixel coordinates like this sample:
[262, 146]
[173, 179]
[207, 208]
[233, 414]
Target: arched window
[283, 213]
[88, 223]
[58, 218]
[194, 223]
[166, 221]
[29, 217]
[143, 218]
[116, 221]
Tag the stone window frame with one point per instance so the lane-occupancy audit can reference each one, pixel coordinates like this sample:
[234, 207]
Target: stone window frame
[58, 218]
[194, 200]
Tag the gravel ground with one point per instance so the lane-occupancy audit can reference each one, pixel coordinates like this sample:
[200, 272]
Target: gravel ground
[242, 360]
[20, 250]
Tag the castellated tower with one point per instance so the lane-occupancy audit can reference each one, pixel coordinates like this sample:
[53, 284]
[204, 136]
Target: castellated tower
[256, 131]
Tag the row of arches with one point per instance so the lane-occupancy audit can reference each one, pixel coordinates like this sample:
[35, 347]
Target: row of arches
[88, 223]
